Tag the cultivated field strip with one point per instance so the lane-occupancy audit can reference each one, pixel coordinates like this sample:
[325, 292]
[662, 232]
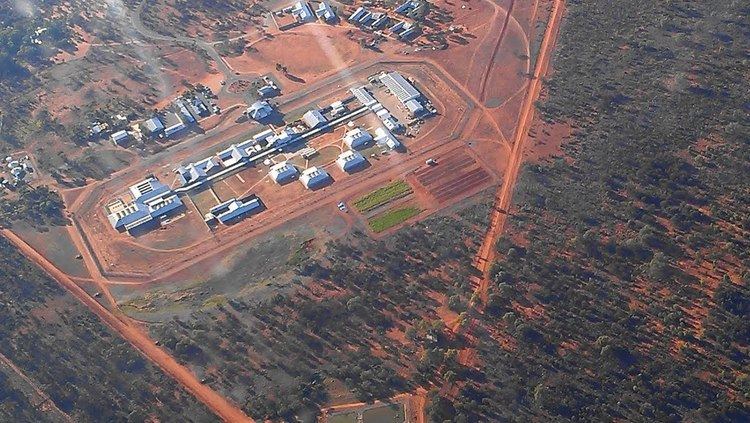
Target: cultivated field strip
[453, 176]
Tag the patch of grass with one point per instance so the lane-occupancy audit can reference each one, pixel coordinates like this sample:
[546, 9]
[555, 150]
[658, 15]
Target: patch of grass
[385, 414]
[391, 218]
[301, 254]
[214, 301]
[382, 195]
[343, 418]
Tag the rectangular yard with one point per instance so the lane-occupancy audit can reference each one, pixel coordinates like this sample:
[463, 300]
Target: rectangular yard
[383, 195]
[385, 414]
[393, 217]
[204, 200]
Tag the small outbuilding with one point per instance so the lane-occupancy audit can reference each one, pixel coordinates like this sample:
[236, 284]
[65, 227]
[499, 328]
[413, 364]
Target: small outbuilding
[313, 118]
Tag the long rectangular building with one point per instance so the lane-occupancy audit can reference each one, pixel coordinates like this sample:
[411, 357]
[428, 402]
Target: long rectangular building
[400, 87]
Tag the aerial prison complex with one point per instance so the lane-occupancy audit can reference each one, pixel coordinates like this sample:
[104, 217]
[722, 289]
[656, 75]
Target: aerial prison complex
[152, 201]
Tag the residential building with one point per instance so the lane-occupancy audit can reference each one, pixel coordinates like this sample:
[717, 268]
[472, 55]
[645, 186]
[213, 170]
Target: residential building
[268, 91]
[407, 7]
[314, 177]
[283, 172]
[357, 14]
[173, 124]
[313, 118]
[350, 161]
[233, 209]
[325, 12]
[302, 12]
[120, 137]
[357, 137]
[153, 126]
[185, 115]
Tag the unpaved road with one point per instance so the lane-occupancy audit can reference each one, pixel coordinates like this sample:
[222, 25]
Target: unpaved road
[136, 337]
[42, 401]
[486, 253]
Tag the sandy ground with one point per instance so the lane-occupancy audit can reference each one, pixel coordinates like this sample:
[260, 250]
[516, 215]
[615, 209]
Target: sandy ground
[485, 105]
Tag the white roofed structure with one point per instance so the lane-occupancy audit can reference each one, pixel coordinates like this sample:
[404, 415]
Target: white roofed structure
[314, 177]
[349, 161]
[386, 138]
[119, 137]
[325, 12]
[357, 137]
[302, 12]
[313, 118]
[283, 172]
[259, 110]
[399, 86]
[363, 96]
[153, 125]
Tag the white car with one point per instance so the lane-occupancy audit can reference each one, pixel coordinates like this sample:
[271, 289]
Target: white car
[342, 206]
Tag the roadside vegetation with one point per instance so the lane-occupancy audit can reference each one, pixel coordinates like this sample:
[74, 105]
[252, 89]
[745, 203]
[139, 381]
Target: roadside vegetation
[363, 314]
[38, 206]
[87, 370]
[391, 218]
[622, 287]
[382, 196]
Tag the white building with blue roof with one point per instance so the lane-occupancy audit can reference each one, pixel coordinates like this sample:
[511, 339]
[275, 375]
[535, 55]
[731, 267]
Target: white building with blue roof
[325, 12]
[153, 126]
[152, 200]
[233, 209]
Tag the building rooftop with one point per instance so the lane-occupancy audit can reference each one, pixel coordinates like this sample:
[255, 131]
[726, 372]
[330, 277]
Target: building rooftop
[282, 172]
[151, 200]
[325, 12]
[153, 125]
[350, 160]
[363, 96]
[399, 86]
[357, 137]
[314, 177]
[302, 12]
[314, 118]
[259, 110]
[119, 136]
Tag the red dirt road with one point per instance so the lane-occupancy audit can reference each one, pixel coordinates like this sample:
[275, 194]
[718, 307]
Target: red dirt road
[135, 336]
[486, 253]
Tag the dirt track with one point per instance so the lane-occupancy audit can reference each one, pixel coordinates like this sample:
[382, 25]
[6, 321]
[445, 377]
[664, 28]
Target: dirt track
[136, 337]
[134, 334]
[486, 254]
[503, 198]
